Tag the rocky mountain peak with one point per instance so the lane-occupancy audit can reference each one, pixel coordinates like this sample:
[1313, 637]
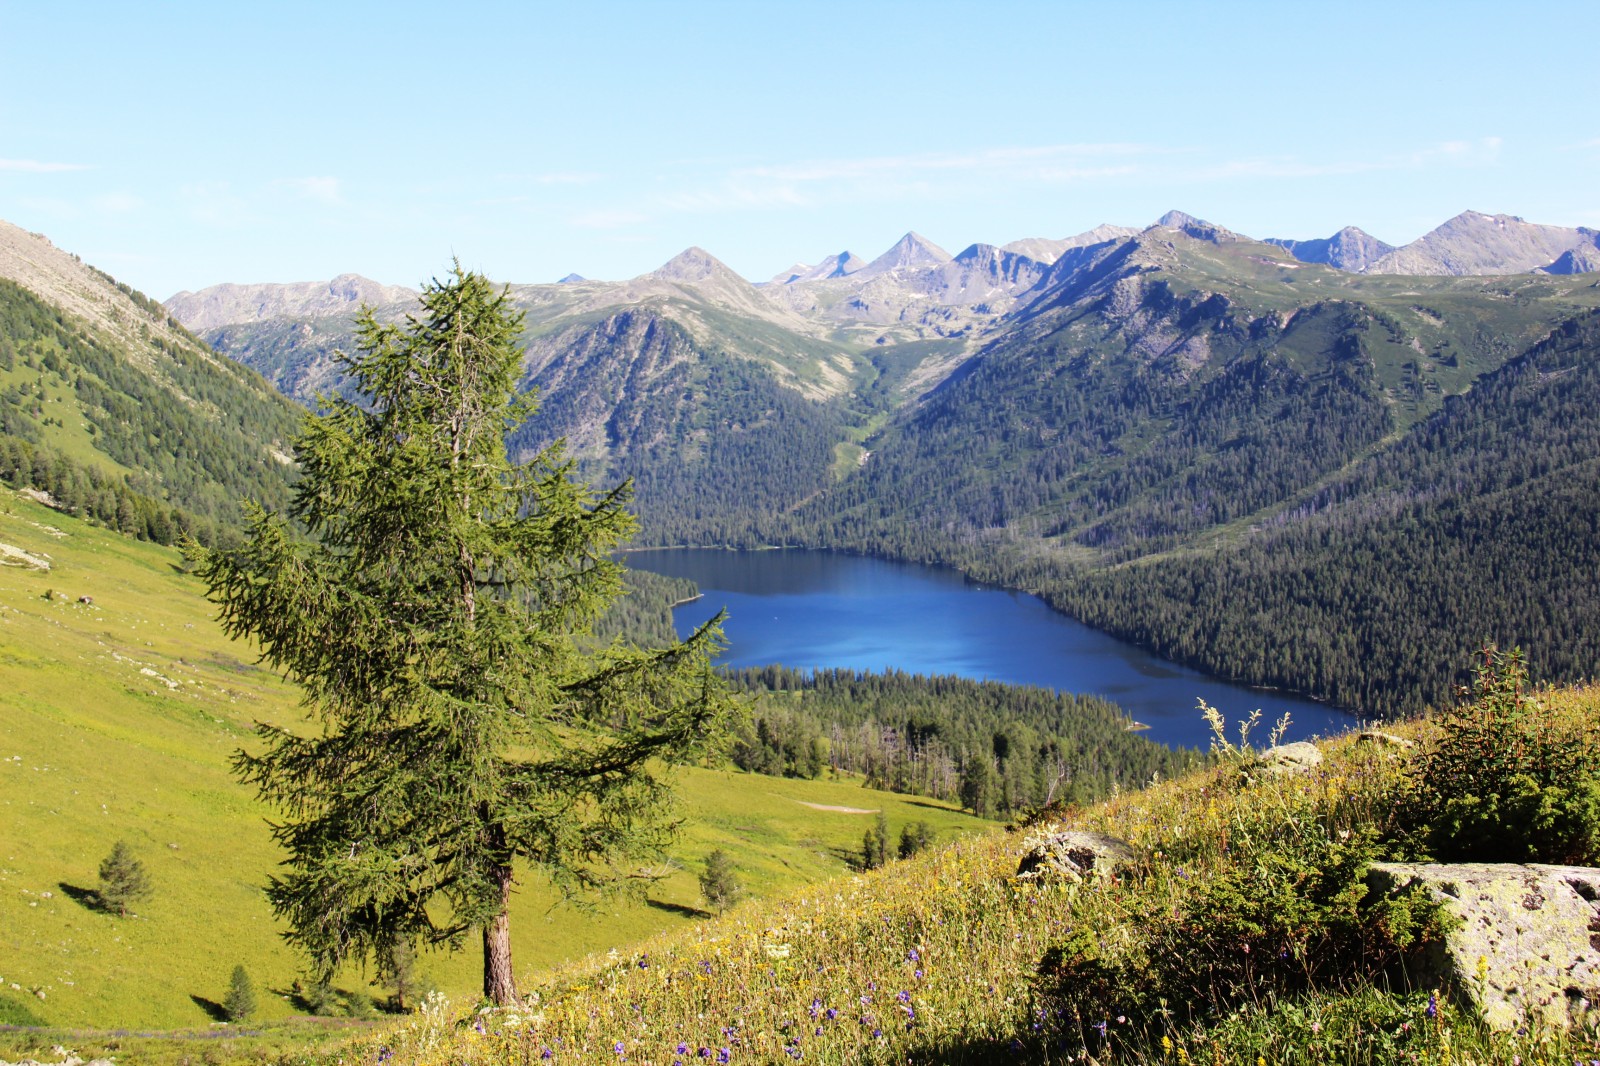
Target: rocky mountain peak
[1043, 250]
[833, 266]
[1198, 228]
[1351, 249]
[913, 251]
[1477, 243]
[571, 278]
[694, 266]
[230, 304]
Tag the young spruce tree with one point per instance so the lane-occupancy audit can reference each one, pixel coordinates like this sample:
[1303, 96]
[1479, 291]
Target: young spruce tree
[437, 620]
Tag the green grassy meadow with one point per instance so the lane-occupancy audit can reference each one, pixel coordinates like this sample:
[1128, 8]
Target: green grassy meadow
[117, 721]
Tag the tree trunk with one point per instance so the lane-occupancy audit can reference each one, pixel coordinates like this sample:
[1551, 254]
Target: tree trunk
[498, 986]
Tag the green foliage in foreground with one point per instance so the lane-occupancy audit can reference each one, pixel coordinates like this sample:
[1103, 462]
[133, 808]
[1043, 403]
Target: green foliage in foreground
[1505, 779]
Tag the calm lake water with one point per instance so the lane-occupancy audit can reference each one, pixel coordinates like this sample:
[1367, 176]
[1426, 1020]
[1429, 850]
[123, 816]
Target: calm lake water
[810, 609]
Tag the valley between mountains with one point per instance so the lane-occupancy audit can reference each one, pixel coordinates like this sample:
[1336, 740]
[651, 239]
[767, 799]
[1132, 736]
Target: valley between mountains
[1330, 466]
[1283, 462]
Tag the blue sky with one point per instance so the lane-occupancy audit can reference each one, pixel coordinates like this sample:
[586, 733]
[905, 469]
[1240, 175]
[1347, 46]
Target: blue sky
[181, 145]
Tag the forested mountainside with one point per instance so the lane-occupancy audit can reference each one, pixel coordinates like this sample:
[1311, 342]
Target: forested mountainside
[119, 414]
[1184, 436]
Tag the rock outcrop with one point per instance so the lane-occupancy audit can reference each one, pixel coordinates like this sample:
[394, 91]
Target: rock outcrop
[1528, 944]
[1296, 758]
[1072, 855]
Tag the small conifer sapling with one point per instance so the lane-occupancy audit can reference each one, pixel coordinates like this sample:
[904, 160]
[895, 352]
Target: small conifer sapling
[719, 886]
[122, 880]
[241, 1001]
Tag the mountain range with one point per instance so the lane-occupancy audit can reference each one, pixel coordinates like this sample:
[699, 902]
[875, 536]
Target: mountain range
[1221, 448]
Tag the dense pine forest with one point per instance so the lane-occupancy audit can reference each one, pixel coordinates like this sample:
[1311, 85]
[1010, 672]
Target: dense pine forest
[996, 749]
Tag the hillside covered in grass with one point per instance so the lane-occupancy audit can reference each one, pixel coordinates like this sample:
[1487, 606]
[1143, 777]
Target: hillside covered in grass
[1240, 932]
[120, 717]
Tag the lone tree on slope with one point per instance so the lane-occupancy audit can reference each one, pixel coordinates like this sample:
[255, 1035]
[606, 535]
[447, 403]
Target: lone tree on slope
[439, 625]
[122, 880]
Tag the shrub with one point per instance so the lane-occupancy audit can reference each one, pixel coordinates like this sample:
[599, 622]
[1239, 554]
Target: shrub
[1280, 907]
[122, 880]
[915, 837]
[1505, 780]
[875, 844]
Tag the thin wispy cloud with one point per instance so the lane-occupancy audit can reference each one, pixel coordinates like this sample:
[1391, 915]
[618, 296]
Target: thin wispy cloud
[35, 166]
[1037, 160]
[607, 219]
[324, 190]
[116, 203]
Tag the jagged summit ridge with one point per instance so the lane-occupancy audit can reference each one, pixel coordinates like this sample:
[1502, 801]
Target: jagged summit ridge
[1478, 243]
[1043, 250]
[230, 304]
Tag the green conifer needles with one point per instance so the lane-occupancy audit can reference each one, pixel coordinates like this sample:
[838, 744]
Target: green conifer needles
[438, 620]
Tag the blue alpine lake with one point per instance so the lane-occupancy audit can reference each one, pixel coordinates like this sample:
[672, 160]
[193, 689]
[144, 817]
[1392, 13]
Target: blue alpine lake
[816, 609]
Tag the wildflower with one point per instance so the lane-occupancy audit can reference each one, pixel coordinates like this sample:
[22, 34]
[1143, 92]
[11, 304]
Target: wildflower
[547, 1054]
[682, 1048]
[1101, 1025]
[903, 997]
[912, 956]
[830, 1014]
[724, 1055]
[1433, 1005]
[620, 1049]
[704, 1052]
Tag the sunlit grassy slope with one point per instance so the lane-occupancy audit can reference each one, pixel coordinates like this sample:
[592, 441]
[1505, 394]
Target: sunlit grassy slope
[117, 721]
[937, 959]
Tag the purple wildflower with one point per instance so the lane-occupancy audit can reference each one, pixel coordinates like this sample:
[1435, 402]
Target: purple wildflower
[724, 1055]
[682, 1048]
[620, 1048]
[1433, 1005]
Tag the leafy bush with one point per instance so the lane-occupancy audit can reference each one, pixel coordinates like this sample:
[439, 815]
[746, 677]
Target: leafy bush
[1281, 908]
[1505, 780]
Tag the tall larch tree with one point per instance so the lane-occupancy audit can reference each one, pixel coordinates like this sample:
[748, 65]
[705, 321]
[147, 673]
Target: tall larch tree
[437, 611]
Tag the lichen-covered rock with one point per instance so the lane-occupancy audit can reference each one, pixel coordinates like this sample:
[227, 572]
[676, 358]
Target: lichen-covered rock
[1071, 854]
[1382, 739]
[1294, 758]
[1527, 947]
